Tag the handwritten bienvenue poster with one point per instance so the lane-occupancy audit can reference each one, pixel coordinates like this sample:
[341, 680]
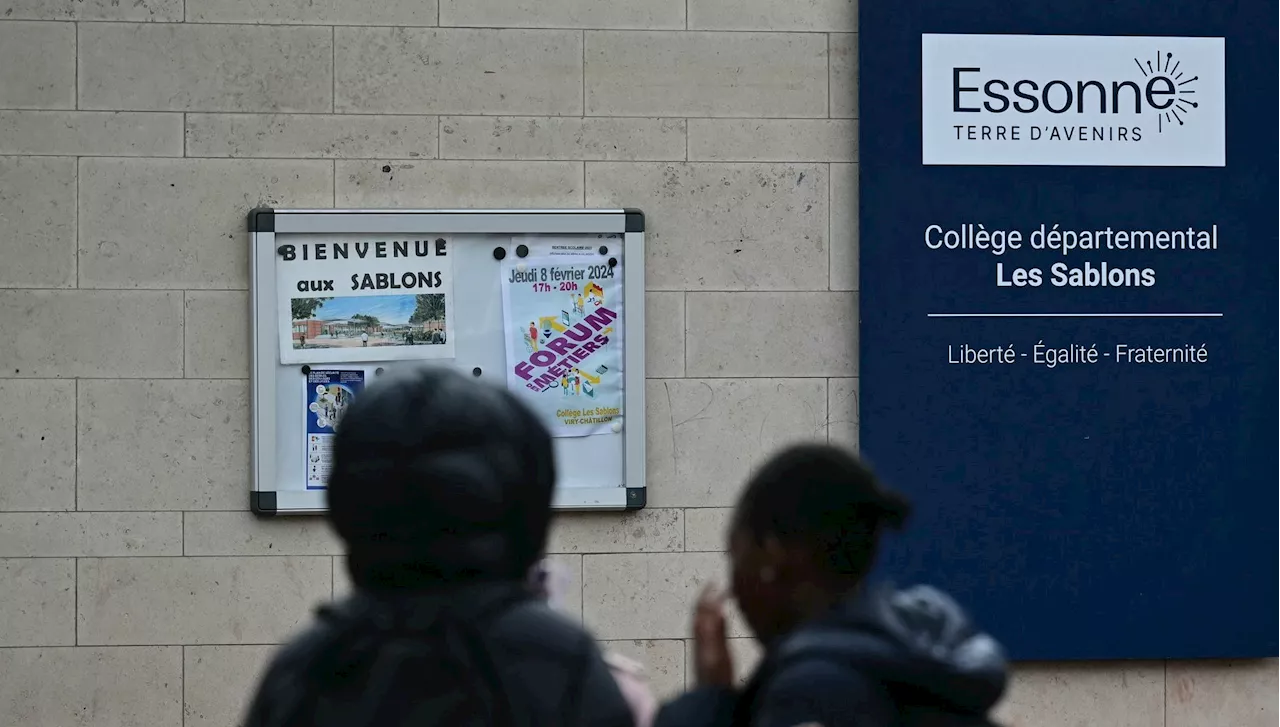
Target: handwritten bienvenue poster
[346, 298]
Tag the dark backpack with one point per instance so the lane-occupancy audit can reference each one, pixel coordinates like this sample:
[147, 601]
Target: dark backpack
[914, 709]
[416, 664]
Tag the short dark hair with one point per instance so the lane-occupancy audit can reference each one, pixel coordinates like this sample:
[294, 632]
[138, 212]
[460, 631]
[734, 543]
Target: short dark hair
[438, 477]
[825, 499]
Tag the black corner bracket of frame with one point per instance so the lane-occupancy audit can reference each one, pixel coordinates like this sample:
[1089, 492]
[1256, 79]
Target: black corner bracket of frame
[263, 504]
[634, 221]
[262, 219]
[637, 498]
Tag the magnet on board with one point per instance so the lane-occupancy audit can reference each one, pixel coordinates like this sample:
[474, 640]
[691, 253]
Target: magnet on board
[617, 425]
[604, 250]
[499, 253]
[476, 371]
[521, 267]
[306, 370]
[522, 251]
[613, 262]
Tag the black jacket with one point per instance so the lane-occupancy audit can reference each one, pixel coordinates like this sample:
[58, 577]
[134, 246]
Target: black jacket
[554, 665]
[880, 659]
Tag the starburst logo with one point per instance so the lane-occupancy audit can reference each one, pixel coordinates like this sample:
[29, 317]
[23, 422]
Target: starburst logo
[1166, 82]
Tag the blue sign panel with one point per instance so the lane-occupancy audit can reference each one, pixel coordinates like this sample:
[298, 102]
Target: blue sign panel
[1069, 310]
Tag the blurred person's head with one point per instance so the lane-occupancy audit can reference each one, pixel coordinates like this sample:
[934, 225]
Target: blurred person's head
[805, 533]
[439, 479]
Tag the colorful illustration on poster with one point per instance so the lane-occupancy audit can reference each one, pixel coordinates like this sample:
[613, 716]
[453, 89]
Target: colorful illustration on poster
[563, 320]
[369, 321]
[329, 393]
[345, 298]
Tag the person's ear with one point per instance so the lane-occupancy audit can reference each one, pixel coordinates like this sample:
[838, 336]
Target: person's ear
[773, 557]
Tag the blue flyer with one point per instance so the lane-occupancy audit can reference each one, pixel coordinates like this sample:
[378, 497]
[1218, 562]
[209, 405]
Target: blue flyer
[329, 393]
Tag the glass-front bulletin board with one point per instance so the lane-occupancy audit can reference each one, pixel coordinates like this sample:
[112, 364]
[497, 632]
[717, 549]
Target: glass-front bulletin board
[547, 303]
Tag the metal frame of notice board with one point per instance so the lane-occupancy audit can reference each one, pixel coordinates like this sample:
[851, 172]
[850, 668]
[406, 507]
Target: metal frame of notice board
[483, 238]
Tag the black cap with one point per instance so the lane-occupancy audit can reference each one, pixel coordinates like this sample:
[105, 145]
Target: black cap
[438, 477]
